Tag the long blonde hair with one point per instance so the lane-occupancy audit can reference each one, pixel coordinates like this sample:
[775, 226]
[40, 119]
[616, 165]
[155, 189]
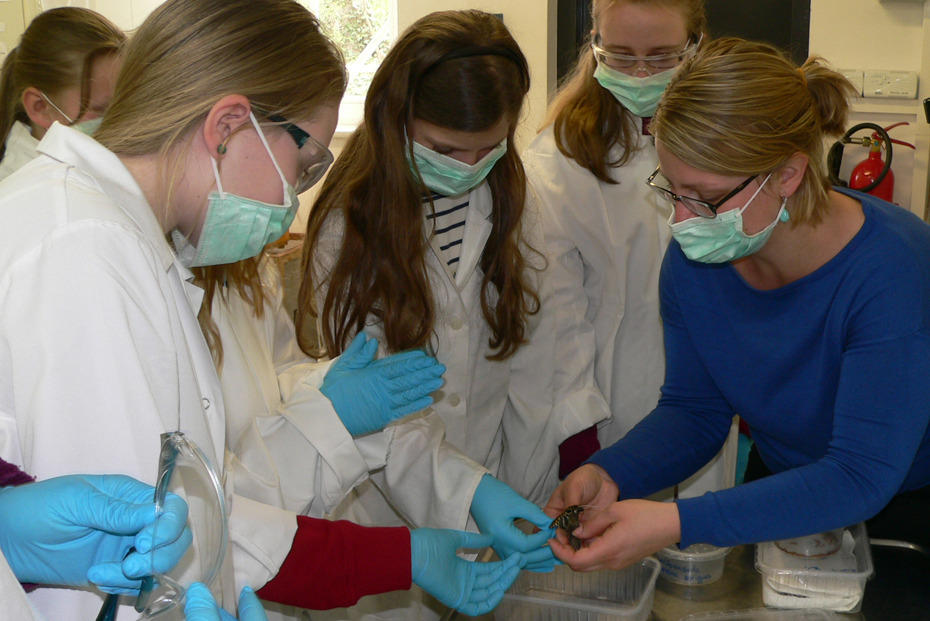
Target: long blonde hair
[588, 122]
[184, 58]
[456, 69]
[743, 108]
[56, 51]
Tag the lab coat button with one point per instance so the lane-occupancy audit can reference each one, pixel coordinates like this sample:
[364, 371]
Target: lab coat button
[456, 323]
[205, 403]
[454, 400]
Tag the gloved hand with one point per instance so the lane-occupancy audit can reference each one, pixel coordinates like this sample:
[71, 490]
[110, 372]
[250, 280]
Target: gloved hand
[469, 587]
[495, 507]
[75, 529]
[368, 394]
[200, 606]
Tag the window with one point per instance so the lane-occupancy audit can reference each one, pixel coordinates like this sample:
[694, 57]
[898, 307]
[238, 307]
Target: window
[364, 30]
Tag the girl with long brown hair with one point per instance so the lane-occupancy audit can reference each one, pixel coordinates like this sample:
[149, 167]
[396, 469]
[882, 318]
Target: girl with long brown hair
[419, 237]
[63, 70]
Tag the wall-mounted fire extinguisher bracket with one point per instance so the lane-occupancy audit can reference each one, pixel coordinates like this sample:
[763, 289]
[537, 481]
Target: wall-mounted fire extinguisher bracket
[872, 175]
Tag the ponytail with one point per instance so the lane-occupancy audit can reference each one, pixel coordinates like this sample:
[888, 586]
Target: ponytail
[10, 110]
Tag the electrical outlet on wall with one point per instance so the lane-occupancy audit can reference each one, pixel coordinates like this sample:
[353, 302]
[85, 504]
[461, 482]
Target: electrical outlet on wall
[854, 76]
[887, 83]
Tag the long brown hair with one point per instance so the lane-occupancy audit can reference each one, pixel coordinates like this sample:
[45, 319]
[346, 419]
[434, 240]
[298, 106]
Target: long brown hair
[588, 122]
[57, 51]
[460, 70]
[184, 58]
[718, 115]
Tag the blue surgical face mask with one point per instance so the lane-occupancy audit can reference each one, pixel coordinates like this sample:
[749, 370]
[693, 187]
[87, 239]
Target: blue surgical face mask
[722, 239]
[638, 95]
[237, 227]
[450, 177]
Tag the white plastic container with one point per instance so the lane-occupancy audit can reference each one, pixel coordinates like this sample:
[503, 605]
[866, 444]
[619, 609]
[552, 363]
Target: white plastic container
[834, 582]
[566, 595]
[697, 564]
[765, 614]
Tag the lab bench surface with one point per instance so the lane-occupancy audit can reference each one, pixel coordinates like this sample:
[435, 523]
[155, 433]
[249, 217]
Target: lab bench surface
[900, 590]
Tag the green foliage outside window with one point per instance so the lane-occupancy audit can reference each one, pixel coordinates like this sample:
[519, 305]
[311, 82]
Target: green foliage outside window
[362, 29]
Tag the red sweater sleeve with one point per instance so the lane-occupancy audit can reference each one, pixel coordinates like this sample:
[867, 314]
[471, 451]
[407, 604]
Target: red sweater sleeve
[333, 564]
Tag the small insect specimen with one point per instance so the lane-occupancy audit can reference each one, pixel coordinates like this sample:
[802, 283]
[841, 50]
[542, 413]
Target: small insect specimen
[569, 520]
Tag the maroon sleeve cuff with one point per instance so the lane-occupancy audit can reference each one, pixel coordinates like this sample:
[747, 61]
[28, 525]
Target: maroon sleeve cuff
[12, 475]
[333, 564]
[576, 449]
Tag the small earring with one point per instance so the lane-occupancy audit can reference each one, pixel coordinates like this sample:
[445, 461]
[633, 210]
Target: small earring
[221, 148]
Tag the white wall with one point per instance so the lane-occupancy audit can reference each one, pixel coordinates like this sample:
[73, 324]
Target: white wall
[851, 34]
[887, 34]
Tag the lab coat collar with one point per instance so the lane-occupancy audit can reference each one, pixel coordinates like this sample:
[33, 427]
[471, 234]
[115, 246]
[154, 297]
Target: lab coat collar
[73, 147]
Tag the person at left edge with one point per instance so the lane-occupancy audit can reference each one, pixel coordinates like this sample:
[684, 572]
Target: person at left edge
[100, 350]
[62, 70]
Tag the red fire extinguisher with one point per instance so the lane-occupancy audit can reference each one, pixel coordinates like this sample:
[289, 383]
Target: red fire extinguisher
[873, 174]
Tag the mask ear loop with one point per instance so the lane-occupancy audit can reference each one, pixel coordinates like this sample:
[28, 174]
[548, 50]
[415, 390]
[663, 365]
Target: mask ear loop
[755, 194]
[261, 136]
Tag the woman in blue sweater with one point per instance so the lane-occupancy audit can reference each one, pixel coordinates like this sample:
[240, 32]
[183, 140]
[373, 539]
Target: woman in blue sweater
[803, 308]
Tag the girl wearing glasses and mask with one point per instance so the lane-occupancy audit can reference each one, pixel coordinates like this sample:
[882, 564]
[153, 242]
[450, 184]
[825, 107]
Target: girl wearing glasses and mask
[100, 348]
[605, 231]
[804, 308]
[63, 70]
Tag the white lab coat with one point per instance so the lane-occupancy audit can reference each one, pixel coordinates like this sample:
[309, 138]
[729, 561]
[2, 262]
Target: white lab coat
[13, 601]
[606, 243]
[291, 449]
[100, 350]
[500, 414]
[20, 149]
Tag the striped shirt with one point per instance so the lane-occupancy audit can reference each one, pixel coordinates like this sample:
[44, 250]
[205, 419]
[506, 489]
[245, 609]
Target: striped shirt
[446, 226]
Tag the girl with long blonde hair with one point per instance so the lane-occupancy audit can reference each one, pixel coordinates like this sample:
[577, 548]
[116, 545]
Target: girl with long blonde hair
[604, 230]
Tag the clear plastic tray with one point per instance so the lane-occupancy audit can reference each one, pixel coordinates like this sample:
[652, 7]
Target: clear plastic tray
[566, 595]
[764, 614]
[795, 582]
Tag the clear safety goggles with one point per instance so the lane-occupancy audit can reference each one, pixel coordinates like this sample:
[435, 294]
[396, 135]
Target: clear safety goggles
[653, 64]
[183, 469]
[321, 156]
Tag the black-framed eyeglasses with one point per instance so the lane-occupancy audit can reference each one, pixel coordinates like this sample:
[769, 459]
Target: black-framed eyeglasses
[695, 205]
[322, 156]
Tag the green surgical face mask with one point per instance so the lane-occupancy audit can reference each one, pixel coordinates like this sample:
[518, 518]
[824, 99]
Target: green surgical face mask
[89, 127]
[450, 177]
[237, 227]
[638, 95]
[722, 239]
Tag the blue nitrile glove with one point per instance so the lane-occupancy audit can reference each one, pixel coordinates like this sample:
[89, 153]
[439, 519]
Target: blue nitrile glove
[367, 394]
[495, 507]
[470, 587]
[200, 606]
[76, 529]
